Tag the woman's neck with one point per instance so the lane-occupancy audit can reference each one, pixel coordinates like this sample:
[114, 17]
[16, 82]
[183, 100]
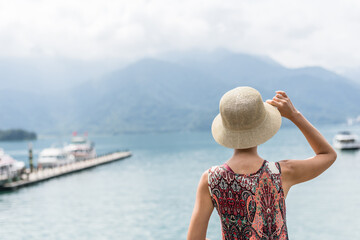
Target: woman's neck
[246, 155]
[247, 151]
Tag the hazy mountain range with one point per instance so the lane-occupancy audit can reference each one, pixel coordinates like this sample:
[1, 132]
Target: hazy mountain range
[177, 93]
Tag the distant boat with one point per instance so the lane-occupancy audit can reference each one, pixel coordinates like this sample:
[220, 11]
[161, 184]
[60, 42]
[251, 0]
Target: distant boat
[346, 141]
[53, 157]
[9, 167]
[81, 148]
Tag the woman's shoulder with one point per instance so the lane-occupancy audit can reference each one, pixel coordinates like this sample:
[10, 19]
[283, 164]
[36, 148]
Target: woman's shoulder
[217, 169]
[286, 167]
[214, 168]
[213, 173]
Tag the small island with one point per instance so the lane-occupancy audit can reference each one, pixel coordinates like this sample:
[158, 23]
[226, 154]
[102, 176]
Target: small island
[16, 135]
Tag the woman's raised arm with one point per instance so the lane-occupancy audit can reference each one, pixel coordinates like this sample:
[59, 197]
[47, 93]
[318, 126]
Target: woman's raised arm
[297, 171]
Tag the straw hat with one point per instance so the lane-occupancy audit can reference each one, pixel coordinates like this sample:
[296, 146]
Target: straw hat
[244, 120]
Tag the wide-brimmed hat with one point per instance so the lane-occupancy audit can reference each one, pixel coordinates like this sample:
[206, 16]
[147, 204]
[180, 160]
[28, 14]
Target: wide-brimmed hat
[244, 120]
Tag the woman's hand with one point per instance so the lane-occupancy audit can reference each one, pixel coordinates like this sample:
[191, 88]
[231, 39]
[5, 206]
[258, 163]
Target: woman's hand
[283, 104]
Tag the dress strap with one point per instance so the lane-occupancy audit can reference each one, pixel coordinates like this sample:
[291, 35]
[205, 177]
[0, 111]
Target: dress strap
[274, 167]
[228, 167]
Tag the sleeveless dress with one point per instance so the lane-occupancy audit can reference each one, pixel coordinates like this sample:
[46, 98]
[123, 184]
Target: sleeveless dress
[250, 206]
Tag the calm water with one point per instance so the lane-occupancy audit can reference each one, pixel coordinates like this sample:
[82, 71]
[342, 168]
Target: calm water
[151, 194]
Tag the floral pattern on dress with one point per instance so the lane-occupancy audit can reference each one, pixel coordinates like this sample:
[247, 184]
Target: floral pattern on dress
[250, 206]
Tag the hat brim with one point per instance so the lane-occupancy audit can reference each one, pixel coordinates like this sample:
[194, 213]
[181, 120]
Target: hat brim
[250, 137]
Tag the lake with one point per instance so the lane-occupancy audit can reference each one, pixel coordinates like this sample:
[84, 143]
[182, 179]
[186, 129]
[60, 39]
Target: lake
[151, 195]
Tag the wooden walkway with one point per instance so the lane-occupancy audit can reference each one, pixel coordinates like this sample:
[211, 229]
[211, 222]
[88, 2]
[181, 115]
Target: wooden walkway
[48, 173]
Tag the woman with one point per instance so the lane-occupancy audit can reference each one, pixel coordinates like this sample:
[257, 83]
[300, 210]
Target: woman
[247, 191]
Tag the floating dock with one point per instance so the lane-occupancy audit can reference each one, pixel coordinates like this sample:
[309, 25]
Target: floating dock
[40, 175]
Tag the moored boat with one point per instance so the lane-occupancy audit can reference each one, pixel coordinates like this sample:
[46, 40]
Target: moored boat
[345, 140]
[9, 167]
[53, 157]
[81, 148]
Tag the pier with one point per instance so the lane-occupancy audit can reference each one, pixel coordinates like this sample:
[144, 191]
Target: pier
[39, 175]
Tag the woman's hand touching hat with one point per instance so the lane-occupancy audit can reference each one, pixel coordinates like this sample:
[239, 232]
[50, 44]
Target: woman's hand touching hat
[283, 104]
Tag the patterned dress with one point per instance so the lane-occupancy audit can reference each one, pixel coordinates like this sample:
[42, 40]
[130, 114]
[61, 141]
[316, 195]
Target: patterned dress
[250, 206]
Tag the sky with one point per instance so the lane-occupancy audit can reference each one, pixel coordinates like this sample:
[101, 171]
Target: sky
[295, 33]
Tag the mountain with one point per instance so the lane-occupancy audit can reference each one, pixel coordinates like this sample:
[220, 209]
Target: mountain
[178, 93]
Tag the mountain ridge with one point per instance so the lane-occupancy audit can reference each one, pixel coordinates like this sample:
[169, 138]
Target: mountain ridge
[178, 95]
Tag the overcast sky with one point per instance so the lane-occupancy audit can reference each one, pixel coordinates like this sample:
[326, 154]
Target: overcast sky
[295, 33]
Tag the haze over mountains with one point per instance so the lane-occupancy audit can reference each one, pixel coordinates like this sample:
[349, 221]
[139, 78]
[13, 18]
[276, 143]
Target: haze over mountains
[177, 93]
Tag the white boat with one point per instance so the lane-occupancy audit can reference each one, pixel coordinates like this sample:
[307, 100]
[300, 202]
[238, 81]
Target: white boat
[53, 157]
[81, 148]
[9, 167]
[346, 141]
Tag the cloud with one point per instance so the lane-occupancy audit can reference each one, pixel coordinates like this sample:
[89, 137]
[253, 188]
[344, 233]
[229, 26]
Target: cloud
[295, 33]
